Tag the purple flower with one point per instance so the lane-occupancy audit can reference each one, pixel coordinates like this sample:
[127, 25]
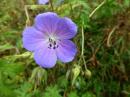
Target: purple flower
[49, 38]
[43, 1]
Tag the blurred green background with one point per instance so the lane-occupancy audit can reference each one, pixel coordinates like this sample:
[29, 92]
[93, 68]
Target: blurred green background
[101, 67]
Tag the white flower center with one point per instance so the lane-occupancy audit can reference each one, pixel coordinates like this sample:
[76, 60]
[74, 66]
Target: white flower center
[53, 42]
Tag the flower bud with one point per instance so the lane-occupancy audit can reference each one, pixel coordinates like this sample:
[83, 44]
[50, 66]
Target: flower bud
[75, 72]
[88, 74]
[39, 75]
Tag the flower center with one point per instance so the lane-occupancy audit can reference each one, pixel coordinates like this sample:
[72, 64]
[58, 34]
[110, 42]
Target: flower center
[52, 43]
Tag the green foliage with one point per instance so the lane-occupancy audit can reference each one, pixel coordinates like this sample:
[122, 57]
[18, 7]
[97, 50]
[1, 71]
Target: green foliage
[24, 90]
[73, 94]
[106, 53]
[52, 91]
[5, 47]
[89, 94]
[62, 82]
[10, 69]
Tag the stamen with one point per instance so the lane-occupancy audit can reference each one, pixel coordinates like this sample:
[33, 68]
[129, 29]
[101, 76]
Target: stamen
[52, 44]
[50, 40]
[54, 47]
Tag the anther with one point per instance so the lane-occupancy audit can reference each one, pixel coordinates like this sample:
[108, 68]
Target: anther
[54, 47]
[50, 40]
[54, 42]
[50, 45]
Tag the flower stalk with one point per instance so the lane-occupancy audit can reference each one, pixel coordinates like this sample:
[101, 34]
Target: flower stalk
[82, 52]
[97, 8]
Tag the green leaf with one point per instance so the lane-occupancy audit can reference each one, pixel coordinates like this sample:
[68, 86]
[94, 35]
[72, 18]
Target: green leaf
[24, 90]
[10, 68]
[5, 47]
[62, 82]
[88, 94]
[52, 91]
[6, 90]
[73, 94]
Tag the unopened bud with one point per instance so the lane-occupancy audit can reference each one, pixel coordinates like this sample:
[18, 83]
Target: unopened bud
[76, 72]
[88, 74]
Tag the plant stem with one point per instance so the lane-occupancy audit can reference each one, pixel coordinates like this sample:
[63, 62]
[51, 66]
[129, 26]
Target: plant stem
[109, 36]
[82, 52]
[97, 8]
[27, 15]
[51, 4]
